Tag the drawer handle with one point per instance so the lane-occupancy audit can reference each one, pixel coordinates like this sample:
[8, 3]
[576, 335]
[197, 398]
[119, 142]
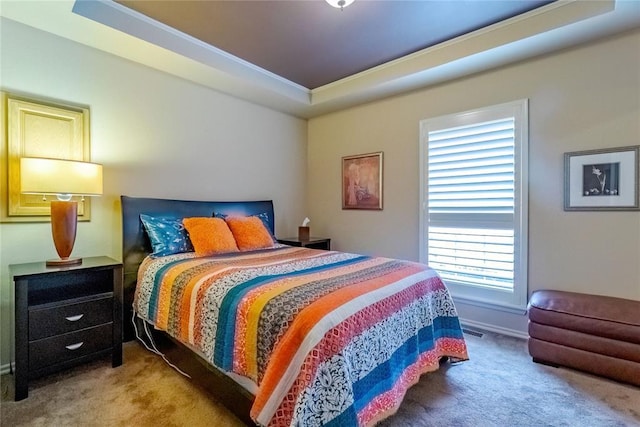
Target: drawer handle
[74, 346]
[74, 318]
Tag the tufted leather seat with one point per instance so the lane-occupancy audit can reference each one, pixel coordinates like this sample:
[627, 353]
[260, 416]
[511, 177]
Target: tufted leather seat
[592, 333]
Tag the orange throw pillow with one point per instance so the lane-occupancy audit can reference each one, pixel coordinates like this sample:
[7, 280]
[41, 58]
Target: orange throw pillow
[210, 236]
[249, 232]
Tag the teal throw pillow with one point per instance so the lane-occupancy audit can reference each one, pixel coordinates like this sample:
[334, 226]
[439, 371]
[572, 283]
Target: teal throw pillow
[167, 235]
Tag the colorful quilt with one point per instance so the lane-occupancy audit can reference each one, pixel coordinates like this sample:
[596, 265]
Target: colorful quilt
[330, 338]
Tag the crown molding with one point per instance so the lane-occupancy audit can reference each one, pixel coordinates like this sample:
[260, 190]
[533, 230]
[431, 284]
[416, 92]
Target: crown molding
[113, 28]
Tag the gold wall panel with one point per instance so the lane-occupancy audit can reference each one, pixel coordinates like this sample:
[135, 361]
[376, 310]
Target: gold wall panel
[38, 128]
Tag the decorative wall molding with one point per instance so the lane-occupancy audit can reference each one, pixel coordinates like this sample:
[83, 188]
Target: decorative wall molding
[38, 128]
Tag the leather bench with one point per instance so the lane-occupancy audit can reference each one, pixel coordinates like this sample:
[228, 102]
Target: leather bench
[591, 333]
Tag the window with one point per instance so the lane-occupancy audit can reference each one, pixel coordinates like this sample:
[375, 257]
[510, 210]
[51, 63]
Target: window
[474, 202]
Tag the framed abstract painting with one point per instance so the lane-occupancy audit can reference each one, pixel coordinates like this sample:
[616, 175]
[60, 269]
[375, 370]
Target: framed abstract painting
[362, 181]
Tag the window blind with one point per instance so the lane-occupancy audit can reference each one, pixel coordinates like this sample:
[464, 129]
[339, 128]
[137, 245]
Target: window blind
[471, 198]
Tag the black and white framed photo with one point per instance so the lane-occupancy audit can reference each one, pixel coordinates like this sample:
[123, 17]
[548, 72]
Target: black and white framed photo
[605, 179]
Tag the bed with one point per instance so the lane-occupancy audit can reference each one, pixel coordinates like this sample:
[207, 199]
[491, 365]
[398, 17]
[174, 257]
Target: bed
[286, 335]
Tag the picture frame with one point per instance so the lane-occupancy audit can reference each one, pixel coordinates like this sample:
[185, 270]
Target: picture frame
[602, 180]
[362, 178]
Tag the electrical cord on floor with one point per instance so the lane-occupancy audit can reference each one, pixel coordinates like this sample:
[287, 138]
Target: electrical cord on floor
[153, 348]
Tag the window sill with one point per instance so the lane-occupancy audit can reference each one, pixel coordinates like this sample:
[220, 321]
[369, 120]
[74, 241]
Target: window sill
[492, 305]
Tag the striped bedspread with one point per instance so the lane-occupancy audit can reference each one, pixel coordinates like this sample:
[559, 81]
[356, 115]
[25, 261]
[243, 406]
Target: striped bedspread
[330, 338]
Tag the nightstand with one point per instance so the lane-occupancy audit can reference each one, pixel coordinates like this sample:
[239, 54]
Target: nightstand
[312, 242]
[65, 316]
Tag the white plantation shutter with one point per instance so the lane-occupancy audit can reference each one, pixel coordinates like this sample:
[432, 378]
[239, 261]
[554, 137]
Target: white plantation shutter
[471, 168]
[471, 171]
[473, 200]
[475, 256]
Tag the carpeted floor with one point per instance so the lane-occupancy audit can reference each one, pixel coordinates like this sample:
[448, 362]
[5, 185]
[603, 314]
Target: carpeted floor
[498, 386]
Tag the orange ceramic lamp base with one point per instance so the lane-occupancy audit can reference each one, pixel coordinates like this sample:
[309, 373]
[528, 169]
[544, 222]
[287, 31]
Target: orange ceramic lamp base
[64, 222]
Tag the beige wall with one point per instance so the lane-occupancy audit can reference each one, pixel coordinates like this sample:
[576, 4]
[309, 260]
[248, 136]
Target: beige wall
[161, 136]
[157, 136]
[579, 99]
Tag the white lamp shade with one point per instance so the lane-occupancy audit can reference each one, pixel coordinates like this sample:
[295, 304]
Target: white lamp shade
[55, 176]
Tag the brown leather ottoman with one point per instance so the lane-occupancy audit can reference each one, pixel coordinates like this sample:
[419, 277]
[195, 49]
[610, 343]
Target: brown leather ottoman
[591, 333]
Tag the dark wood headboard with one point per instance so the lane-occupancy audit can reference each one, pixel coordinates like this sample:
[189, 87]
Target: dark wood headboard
[135, 242]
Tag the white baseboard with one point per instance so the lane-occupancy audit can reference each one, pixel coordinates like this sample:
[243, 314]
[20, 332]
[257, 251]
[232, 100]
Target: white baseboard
[5, 369]
[493, 328]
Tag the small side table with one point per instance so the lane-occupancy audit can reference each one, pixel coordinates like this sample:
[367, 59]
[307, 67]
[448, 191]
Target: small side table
[65, 316]
[313, 242]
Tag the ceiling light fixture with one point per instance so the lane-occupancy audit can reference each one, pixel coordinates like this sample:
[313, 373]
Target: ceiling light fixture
[340, 3]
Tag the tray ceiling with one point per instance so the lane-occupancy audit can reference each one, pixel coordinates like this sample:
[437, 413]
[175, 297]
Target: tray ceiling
[306, 58]
[312, 44]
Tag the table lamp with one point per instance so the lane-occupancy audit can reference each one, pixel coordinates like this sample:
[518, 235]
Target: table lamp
[64, 178]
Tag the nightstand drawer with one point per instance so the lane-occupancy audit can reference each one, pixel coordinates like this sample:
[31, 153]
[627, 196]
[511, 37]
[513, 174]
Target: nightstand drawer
[60, 319]
[62, 348]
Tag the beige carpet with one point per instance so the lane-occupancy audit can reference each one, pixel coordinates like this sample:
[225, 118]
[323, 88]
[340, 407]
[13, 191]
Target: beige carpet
[499, 386]
[144, 391]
